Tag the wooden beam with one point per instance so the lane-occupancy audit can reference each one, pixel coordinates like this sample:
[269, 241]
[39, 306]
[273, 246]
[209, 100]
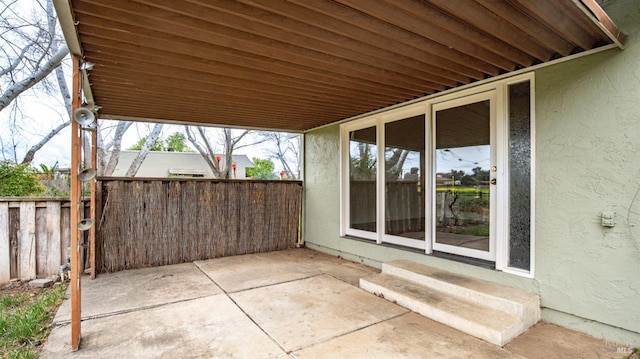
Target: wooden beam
[557, 21]
[76, 204]
[229, 62]
[354, 29]
[505, 39]
[92, 210]
[221, 29]
[429, 30]
[528, 25]
[119, 71]
[276, 27]
[604, 22]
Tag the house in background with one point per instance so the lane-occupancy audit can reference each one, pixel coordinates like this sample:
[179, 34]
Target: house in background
[177, 164]
[542, 95]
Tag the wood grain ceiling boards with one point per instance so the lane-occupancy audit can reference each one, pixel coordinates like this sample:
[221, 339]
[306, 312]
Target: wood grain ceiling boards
[299, 64]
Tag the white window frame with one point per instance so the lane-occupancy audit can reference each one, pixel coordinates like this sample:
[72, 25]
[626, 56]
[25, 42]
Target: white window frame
[379, 119]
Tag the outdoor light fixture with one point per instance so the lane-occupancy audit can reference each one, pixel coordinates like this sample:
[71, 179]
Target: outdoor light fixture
[84, 116]
[87, 174]
[85, 224]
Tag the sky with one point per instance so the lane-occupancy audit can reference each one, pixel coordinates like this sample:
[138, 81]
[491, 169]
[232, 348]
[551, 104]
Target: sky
[41, 113]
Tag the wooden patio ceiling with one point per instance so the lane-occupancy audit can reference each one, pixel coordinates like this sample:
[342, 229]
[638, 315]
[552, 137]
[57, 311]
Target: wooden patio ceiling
[299, 64]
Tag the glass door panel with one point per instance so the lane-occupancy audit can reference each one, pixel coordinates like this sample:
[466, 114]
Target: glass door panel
[463, 160]
[362, 180]
[404, 204]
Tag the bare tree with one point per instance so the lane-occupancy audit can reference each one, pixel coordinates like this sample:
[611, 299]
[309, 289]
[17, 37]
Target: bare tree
[228, 142]
[32, 51]
[30, 47]
[151, 139]
[108, 152]
[286, 150]
[394, 162]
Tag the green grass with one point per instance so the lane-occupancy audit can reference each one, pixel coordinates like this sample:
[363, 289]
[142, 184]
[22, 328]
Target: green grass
[480, 230]
[462, 189]
[24, 319]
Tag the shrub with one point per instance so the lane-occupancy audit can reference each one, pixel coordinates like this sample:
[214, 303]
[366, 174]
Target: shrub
[19, 180]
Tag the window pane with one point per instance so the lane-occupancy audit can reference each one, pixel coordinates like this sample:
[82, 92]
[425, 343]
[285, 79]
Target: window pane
[404, 174]
[520, 175]
[463, 160]
[362, 179]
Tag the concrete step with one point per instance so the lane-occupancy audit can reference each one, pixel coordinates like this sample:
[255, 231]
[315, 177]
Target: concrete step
[486, 310]
[521, 303]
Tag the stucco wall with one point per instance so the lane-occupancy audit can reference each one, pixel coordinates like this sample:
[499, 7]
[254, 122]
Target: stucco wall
[588, 161]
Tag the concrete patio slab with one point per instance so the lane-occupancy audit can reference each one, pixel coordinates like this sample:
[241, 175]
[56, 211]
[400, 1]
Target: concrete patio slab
[251, 271]
[347, 271]
[547, 340]
[407, 336]
[140, 288]
[309, 311]
[179, 330]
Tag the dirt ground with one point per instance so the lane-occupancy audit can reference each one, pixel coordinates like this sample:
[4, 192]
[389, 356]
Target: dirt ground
[18, 287]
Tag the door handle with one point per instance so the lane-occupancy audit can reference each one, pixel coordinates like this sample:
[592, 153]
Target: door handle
[493, 181]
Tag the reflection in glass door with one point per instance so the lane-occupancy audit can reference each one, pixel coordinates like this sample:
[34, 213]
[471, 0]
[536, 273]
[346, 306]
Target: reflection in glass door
[404, 180]
[464, 177]
[362, 180]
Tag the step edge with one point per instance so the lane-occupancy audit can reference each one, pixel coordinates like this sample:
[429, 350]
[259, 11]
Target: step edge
[474, 329]
[399, 264]
[372, 281]
[516, 307]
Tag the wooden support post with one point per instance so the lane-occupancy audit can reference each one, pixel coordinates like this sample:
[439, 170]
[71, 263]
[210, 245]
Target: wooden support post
[92, 234]
[75, 206]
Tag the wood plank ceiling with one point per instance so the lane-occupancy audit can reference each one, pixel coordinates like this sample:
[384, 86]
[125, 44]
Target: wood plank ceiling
[298, 64]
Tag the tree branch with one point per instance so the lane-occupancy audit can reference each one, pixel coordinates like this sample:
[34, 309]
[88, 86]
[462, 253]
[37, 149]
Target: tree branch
[32, 151]
[12, 92]
[151, 139]
[117, 145]
[208, 159]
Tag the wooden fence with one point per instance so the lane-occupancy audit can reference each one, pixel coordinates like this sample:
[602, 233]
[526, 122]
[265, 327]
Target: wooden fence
[34, 237]
[152, 222]
[145, 223]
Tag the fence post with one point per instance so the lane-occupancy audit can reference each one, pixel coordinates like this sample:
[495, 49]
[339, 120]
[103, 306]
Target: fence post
[54, 259]
[27, 240]
[5, 254]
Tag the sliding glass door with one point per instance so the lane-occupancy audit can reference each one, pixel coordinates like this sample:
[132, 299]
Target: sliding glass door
[465, 176]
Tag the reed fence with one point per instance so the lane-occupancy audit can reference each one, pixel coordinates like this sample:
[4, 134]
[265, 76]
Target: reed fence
[152, 222]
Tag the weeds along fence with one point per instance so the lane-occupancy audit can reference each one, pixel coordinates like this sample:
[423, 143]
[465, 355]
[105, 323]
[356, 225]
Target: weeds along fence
[34, 237]
[152, 222]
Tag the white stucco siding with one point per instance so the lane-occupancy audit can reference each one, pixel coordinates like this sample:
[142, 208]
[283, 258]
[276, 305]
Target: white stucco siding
[587, 114]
